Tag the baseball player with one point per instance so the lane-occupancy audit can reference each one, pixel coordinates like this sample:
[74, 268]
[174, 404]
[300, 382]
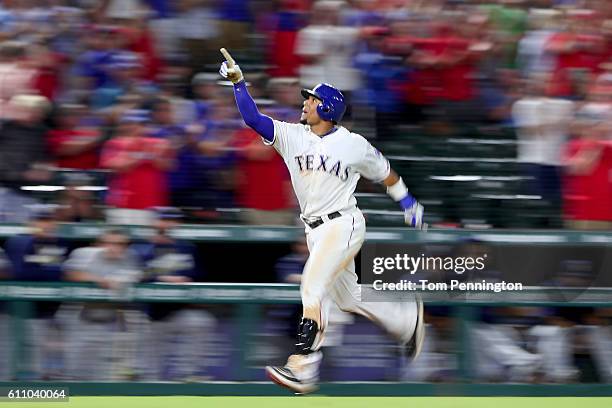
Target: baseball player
[325, 161]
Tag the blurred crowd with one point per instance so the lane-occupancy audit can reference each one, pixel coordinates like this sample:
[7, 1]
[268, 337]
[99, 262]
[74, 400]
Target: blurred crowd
[87, 341]
[129, 89]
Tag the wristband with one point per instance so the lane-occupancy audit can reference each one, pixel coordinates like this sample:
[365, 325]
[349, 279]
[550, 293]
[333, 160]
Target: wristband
[398, 191]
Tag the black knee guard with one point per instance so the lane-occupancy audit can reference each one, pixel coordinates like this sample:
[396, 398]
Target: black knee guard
[307, 333]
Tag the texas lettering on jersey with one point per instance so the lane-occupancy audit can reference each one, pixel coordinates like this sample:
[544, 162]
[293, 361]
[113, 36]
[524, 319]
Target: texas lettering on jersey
[325, 170]
[311, 162]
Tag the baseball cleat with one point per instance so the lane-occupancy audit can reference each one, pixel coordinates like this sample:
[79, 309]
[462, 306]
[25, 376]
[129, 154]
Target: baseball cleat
[284, 377]
[415, 344]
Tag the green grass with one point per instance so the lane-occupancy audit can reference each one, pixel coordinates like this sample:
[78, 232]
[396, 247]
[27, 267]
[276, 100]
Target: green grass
[323, 402]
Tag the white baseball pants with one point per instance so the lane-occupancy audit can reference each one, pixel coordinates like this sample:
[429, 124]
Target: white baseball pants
[329, 277]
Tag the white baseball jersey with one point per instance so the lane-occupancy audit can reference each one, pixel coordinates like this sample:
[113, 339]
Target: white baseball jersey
[324, 173]
[325, 170]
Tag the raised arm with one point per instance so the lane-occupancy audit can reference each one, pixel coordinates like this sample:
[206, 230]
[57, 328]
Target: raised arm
[259, 122]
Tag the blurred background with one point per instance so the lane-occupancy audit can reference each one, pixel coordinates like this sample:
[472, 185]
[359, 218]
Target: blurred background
[123, 161]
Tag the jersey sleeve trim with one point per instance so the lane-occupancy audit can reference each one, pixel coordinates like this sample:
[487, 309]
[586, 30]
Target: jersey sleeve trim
[269, 142]
[388, 164]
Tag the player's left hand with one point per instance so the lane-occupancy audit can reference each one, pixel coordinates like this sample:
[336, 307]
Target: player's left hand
[413, 212]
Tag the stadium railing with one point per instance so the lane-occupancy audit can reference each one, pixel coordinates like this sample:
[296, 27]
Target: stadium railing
[248, 298]
[238, 233]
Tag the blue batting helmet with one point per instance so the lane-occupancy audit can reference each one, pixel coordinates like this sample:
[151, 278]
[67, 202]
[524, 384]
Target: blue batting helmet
[333, 105]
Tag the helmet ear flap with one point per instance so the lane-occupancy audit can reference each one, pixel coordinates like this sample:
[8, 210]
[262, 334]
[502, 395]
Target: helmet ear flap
[325, 110]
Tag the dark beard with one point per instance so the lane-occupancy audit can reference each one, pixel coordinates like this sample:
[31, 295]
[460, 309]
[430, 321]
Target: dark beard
[303, 122]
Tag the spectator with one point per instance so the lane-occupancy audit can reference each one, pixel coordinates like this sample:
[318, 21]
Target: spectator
[588, 162]
[23, 156]
[165, 30]
[15, 77]
[383, 78]
[509, 353]
[209, 118]
[543, 127]
[124, 80]
[168, 260]
[234, 22]
[204, 87]
[456, 64]
[285, 92]
[492, 84]
[402, 42]
[217, 161]
[163, 124]
[263, 185]
[165, 258]
[327, 49]
[198, 30]
[93, 64]
[498, 93]
[533, 55]
[38, 256]
[267, 199]
[185, 178]
[598, 338]
[47, 66]
[445, 67]
[97, 331]
[578, 52]
[140, 40]
[73, 146]
[65, 33]
[509, 20]
[282, 31]
[140, 165]
[110, 264]
[173, 85]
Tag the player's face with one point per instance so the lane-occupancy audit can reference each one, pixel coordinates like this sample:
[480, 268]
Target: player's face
[310, 116]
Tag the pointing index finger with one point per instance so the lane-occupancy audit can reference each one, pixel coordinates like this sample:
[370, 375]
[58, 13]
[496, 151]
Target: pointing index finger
[228, 57]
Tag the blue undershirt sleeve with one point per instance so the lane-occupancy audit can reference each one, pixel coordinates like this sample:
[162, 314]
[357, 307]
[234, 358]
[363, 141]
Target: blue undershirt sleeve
[262, 124]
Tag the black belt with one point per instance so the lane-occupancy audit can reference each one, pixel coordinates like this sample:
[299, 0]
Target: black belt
[314, 224]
